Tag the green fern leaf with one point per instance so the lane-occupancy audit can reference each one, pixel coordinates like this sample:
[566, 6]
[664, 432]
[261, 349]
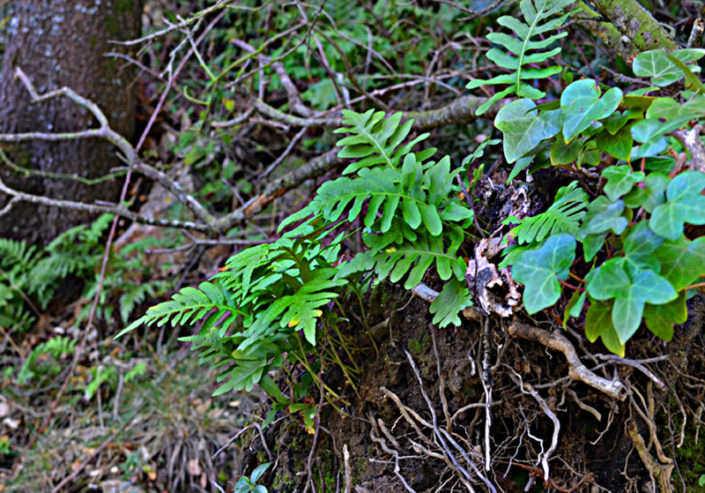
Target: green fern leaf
[395, 255]
[17, 255]
[453, 298]
[564, 216]
[540, 18]
[375, 140]
[189, 304]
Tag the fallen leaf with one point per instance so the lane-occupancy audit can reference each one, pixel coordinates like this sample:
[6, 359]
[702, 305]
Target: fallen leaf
[193, 468]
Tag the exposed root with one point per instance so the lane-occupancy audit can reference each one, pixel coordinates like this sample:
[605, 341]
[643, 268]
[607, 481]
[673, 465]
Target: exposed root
[660, 472]
[577, 370]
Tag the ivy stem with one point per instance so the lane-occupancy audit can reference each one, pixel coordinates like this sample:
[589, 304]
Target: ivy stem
[578, 278]
[695, 286]
[574, 288]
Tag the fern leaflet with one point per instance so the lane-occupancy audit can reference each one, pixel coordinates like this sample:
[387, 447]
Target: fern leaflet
[564, 216]
[376, 140]
[523, 50]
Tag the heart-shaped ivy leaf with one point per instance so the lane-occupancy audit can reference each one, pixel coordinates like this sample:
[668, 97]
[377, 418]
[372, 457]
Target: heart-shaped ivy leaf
[639, 247]
[524, 128]
[598, 323]
[581, 105]
[682, 261]
[604, 215]
[620, 180]
[661, 318]
[684, 205]
[540, 269]
[662, 71]
[651, 196]
[618, 145]
[612, 281]
[650, 133]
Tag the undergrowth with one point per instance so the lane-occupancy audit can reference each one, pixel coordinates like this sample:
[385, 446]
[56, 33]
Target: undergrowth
[620, 258]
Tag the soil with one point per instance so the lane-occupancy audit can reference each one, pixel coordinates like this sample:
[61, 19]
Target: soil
[590, 454]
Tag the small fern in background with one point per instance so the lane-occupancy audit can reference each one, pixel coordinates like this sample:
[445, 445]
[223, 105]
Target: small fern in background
[30, 277]
[527, 48]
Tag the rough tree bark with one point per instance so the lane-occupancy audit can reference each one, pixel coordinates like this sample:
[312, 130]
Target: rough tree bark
[63, 43]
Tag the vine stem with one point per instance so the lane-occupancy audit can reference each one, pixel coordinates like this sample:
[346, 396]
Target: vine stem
[568, 285]
[695, 286]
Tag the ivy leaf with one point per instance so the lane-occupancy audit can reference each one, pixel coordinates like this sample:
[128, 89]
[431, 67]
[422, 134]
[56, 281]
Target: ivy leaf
[630, 294]
[618, 145]
[639, 247]
[661, 318]
[620, 180]
[524, 128]
[562, 153]
[574, 306]
[540, 269]
[604, 215]
[691, 80]
[453, 298]
[581, 104]
[651, 196]
[684, 205]
[673, 113]
[519, 166]
[682, 261]
[617, 120]
[662, 71]
[598, 323]
[650, 133]
[592, 244]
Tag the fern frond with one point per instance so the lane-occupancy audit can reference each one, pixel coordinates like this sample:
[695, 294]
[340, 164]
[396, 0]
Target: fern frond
[564, 216]
[453, 298]
[136, 293]
[419, 191]
[375, 140]
[190, 304]
[524, 49]
[16, 254]
[48, 271]
[396, 255]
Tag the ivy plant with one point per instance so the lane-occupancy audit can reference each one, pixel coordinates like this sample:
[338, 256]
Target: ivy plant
[638, 264]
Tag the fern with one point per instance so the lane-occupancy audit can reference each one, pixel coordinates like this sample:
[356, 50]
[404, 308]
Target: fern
[376, 140]
[564, 216]
[17, 255]
[56, 347]
[453, 298]
[190, 304]
[252, 312]
[524, 49]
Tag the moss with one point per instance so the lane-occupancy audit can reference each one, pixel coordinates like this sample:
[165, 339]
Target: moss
[418, 346]
[691, 455]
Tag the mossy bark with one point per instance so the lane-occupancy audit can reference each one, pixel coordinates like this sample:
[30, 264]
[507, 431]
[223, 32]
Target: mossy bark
[636, 23]
[63, 43]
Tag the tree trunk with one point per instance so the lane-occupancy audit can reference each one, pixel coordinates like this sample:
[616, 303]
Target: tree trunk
[63, 43]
